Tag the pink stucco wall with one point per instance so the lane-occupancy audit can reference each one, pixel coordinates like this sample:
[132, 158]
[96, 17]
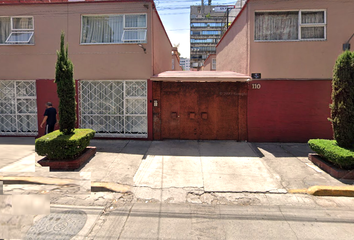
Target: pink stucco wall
[302, 59]
[232, 51]
[286, 59]
[94, 61]
[162, 47]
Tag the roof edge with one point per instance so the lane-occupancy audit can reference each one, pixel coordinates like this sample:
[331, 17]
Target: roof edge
[33, 2]
[158, 17]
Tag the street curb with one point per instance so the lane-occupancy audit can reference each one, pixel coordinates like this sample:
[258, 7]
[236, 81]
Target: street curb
[330, 191]
[344, 191]
[95, 186]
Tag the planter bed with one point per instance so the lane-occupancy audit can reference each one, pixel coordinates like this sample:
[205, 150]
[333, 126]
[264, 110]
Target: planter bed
[69, 164]
[330, 168]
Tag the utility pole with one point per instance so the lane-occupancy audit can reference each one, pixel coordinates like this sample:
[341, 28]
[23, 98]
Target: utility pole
[209, 2]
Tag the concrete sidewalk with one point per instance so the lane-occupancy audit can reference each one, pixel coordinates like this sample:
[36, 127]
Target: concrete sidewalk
[13, 149]
[164, 170]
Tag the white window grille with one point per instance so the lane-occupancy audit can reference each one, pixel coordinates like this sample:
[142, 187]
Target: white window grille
[290, 25]
[114, 108]
[18, 108]
[113, 29]
[16, 30]
[213, 64]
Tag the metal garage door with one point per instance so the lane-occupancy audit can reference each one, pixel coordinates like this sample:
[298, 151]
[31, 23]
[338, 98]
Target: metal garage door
[203, 110]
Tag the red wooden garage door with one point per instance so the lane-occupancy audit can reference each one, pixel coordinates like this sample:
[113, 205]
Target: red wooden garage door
[200, 111]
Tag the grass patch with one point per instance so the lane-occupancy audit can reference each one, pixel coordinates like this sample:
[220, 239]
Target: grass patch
[58, 146]
[329, 149]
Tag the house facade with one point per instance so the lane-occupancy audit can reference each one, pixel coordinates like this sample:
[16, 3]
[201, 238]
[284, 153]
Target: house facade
[116, 46]
[290, 48]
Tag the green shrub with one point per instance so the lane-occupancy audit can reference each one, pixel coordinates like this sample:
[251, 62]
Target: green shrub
[329, 149]
[56, 145]
[64, 78]
[342, 107]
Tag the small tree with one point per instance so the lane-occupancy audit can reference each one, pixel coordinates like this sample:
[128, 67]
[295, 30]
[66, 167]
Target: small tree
[64, 71]
[342, 107]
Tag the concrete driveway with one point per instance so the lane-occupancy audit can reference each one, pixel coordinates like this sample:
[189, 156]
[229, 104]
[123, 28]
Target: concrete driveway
[215, 166]
[152, 167]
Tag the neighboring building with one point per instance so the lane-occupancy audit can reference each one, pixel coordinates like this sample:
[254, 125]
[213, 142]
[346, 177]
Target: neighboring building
[232, 13]
[116, 46]
[210, 63]
[185, 64]
[206, 29]
[293, 45]
[175, 60]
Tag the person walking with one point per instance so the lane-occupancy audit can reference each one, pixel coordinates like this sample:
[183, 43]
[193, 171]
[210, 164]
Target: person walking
[50, 118]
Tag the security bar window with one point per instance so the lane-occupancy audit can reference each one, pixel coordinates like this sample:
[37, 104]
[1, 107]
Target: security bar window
[16, 30]
[114, 29]
[290, 25]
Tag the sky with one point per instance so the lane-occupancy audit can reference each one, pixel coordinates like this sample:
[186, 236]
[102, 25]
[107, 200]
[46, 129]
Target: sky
[175, 16]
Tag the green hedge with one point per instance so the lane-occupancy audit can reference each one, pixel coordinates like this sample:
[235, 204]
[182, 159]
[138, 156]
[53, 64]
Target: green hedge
[329, 149]
[58, 146]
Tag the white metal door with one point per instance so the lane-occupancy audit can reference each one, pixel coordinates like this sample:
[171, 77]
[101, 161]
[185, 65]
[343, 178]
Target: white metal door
[114, 108]
[18, 108]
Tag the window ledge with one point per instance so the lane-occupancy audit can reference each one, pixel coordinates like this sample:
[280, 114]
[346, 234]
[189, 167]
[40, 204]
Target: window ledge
[304, 40]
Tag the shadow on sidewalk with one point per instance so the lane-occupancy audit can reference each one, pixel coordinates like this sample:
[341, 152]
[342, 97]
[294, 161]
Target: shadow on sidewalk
[187, 148]
[17, 140]
[284, 150]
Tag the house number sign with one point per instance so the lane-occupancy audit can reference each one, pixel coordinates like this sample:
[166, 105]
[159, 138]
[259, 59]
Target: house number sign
[256, 86]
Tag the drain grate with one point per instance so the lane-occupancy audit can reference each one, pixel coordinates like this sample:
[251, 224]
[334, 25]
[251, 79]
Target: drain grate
[59, 226]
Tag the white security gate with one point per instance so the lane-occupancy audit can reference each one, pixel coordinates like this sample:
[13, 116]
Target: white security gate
[18, 108]
[114, 108]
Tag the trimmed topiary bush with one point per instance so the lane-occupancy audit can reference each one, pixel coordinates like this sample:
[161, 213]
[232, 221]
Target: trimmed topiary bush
[329, 149]
[342, 107]
[64, 78]
[56, 145]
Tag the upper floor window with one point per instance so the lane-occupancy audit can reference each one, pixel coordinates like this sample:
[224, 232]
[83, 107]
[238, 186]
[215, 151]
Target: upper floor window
[16, 30]
[290, 25]
[128, 28]
[207, 32]
[213, 64]
[207, 24]
[208, 40]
